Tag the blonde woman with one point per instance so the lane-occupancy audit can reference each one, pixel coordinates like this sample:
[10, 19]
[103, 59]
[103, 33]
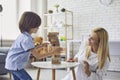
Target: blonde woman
[93, 58]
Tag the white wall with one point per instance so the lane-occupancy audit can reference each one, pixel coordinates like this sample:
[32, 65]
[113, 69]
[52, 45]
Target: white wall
[23, 5]
[39, 6]
[9, 28]
[12, 11]
[90, 13]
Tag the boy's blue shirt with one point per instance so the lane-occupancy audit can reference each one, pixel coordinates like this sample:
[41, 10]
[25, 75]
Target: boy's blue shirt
[19, 52]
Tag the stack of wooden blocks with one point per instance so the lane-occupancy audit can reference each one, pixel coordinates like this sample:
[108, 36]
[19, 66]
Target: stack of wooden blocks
[53, 38]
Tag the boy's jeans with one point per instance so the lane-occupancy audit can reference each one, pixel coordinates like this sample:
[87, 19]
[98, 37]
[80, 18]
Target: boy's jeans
[20, 75]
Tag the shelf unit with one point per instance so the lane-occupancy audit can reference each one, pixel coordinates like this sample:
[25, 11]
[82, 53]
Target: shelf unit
[61, 22]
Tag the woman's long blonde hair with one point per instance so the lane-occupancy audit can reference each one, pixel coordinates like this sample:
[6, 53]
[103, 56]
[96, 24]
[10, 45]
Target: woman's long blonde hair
[103, 48]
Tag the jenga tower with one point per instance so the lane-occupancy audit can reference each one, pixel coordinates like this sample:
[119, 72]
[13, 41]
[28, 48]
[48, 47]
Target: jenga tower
[53, 38]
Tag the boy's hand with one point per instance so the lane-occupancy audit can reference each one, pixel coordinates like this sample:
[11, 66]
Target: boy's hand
[45, 44]
[56, 50]
[53, 51]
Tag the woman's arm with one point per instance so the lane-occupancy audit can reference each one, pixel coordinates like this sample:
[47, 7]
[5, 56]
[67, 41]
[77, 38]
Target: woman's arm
[99, 72]
[72, 60]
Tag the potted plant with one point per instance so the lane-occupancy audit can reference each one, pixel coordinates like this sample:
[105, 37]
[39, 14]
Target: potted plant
[57, 6]
[63, 10]
[50, 11]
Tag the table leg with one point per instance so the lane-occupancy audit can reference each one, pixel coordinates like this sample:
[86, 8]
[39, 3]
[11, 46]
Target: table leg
[38, 74]
[53, 74]
[73, 72]
[10, 75]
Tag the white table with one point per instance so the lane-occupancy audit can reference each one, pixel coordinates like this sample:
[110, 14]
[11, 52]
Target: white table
[48, 65]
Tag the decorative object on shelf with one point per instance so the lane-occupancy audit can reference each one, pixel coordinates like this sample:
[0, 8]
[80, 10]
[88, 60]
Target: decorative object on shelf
[62, 38]
[106, 2]
[57, 6]
[60, 24]
[50, 11]
[1, 8]
[54, 24]
[63, 10]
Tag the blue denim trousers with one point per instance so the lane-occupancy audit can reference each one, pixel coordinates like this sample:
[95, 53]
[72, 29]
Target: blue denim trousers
[20, 75]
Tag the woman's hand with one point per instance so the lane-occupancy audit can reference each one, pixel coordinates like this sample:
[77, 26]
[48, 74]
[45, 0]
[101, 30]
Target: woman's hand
[72, 60]
[87, 68]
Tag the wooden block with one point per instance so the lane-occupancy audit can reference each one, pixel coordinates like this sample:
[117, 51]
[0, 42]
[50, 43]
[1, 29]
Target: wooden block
[56, 61]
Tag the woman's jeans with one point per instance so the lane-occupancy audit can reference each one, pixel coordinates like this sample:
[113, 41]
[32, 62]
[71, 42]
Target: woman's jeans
[20, 75]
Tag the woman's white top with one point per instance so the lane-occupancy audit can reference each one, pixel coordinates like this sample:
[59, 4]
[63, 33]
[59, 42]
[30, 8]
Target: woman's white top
[96, 74]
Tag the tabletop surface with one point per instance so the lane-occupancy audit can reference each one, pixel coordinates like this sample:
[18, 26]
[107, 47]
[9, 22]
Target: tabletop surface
[48, 65]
